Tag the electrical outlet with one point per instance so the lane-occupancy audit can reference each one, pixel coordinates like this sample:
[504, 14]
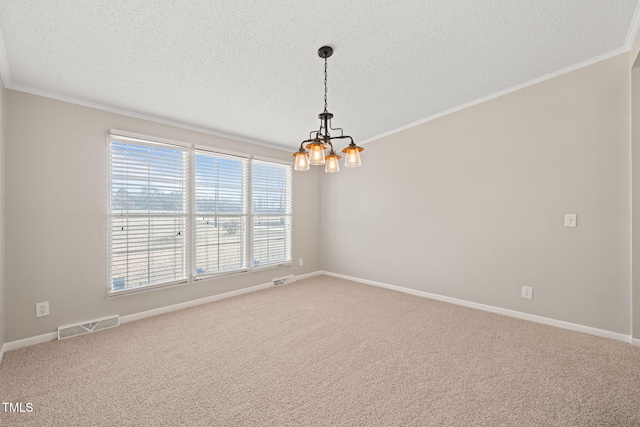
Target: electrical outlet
[527, 292]
[570, 220]
[300, 262]
[42, 309]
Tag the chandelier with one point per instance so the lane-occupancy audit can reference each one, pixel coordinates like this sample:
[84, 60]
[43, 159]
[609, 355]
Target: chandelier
[320, 140]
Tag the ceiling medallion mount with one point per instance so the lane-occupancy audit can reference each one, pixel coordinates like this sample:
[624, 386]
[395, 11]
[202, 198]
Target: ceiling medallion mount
[320, 140]
[325, 51]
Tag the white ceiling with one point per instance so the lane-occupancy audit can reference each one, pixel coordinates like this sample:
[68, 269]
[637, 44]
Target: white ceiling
[249, 69]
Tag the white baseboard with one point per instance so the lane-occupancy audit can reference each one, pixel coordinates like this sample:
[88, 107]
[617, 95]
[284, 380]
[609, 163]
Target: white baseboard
[13, 345]
[511, 313]
[312, 274]
[193, 303]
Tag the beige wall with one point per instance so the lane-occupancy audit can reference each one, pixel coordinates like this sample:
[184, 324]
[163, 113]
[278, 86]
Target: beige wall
[2, 210]
[472, 205]
[474, 212]
[56, 222]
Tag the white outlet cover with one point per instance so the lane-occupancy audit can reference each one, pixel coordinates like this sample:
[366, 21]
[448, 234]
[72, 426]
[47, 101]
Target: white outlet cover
[527, 292]
[42, 309]
[570, 220]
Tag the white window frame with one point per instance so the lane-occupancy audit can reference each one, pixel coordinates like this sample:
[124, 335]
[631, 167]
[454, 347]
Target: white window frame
[289, 244]
[132, 223]
[190, 237]
[244, 215]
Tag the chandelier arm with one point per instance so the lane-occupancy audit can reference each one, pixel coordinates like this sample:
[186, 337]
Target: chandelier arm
[340, 129]
[342, 137]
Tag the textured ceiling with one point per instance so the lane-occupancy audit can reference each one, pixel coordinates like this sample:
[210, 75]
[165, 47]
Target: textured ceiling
[250, 69]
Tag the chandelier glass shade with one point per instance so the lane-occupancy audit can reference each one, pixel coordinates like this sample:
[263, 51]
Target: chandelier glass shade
[312, 150]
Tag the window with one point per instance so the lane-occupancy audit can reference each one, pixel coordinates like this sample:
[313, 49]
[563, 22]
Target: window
[271, 213]
[148, 214]
[220, 212]
[179, 213]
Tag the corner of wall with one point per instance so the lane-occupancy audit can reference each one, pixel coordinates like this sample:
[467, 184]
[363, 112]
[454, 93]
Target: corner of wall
[2, 236]
[632, 43]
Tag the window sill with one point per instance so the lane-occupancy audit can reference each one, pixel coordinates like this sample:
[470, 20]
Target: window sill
[206, 278]
[270, 267]
[143, 289]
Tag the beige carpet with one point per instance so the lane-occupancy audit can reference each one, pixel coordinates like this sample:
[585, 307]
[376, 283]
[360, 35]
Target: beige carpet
[325, 351]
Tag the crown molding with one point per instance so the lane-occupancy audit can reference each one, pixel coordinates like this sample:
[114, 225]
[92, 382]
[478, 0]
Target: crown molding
[142, 116]
[503, 92]
[5, 73]
[9, 84]
[4, 64]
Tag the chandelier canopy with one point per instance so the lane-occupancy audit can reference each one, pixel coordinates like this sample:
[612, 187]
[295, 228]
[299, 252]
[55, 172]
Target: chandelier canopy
[320, 140]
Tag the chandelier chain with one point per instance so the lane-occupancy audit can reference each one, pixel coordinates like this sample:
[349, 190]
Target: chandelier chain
[325, 85]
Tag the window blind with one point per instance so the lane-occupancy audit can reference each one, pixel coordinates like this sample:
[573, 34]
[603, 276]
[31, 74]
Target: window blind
[220, 214]
[148, 213]
[271, 213]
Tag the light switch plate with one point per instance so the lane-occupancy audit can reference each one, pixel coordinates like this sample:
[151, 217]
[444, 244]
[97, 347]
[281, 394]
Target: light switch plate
[570, 220]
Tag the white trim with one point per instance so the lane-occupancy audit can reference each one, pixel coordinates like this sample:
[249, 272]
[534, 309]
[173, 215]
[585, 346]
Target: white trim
[9, 84]
[187, 304]
[272, 160]
[13, 345]
[209, 149]
[25, 342]
[635, 341]
[270, 266]
[308, 275]
[215, 276]
[143, 139]
[145, 288]
[500, 93]
[5, 73]
[492, 309]
[128, 113]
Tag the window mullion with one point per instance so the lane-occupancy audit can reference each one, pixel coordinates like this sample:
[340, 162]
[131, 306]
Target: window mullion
[249, 215]
[191, 244]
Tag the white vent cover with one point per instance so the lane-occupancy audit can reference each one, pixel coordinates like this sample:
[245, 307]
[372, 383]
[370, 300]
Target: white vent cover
[284, 280]
[68, 331]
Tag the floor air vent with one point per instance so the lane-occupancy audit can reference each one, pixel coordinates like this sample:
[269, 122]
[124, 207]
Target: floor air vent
[69, 331]
[284, 280]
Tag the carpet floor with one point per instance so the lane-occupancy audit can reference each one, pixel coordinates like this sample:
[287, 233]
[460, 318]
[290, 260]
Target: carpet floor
[325, 351]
